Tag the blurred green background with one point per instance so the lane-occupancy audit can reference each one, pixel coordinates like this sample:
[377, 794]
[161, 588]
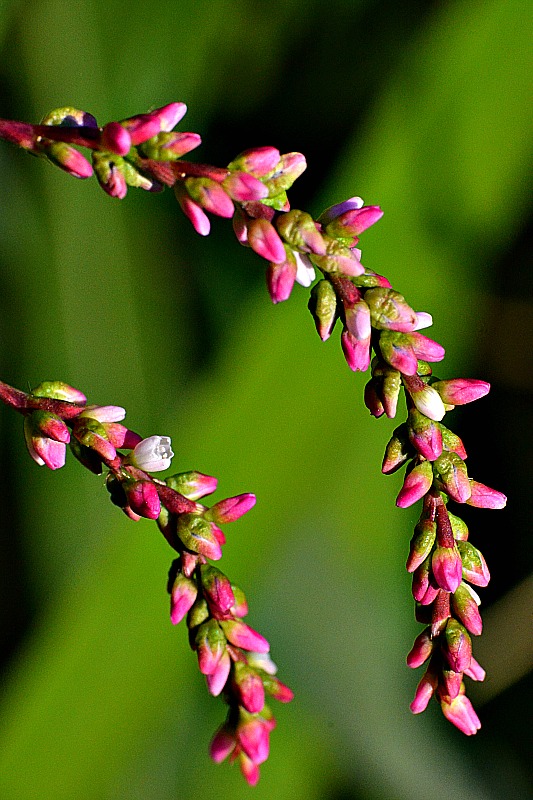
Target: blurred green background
[423, 108]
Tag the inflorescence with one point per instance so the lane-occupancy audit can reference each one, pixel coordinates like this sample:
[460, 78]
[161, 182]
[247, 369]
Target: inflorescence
[379, 329]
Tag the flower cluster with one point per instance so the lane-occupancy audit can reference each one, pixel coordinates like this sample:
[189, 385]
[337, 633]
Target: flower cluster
[233, 657]
[379, 330]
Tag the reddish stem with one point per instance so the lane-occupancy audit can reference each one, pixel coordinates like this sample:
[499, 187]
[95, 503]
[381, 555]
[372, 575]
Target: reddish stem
[25, 135]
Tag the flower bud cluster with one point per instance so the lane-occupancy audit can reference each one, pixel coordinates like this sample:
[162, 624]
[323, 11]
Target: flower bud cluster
[233, 656]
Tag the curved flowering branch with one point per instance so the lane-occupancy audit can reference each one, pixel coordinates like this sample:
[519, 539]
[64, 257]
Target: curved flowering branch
[379, 329]
[233, 657]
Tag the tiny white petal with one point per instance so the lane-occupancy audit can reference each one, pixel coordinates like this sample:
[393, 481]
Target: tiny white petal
[153, 454]
[475, 597]
[262, 661]
[423, 320]
[104, 413]
[305, 273]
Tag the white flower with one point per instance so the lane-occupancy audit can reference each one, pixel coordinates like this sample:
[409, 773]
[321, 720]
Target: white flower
[153, 454]
[262, 661]
[305, 273]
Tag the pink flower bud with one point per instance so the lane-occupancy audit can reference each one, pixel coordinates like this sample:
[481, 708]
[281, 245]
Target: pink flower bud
[143, 499]
[121, 438]
[373, 401]
[243, 187]
[249, 770]
[210, 195]
[68, 159]
[465, 605]
[299, 230]
[457, 646]
[289, 167]
[258, 161]
[424, 592]
[169, 115]
[115, 139]
[421, 544]
[475, 568]
[397, 351]
[459, 391]
[461, 714]
[217, 589]
[421, 650]
[280, 279]
[356, 351]
[253, 737]
[452, 683]
[484, 497]
[43, 450]
[210, 646]
[194, 213]
[416, 484]
[192, 485]
[249, 688]
[278, 690]
[141, 127]
[428, 402]
[231, 509]
[452, 476]
[265, 241]
[389, 310]
[475, 670]
[217, 680]
[222, 744]
[183, 593]
[358, 320]
[240, 608]
[452, 442]
[333, 212]
[424, 435]
[104, 413]
[447, 568]
[197, 535]
[424, 691]
[241, 635]
[424, 348]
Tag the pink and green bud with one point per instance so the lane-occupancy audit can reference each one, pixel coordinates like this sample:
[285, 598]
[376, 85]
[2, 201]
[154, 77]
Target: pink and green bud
[210, 195]
[482, 496]
[423, 590]
[143, 499]
[465, 604]
[357, 318]
[428, 403]
[460, 713]
[258, 161]
[323, 307]
[475, 568]
[350, 221]
[447, 569]
[217, 680]
[194, 213]
[475, 670]
[115, 139]
[424, 691]
[451, 684]
[397, 452]
[192, 485]
[424, 435]
[57, 390]
[170, 146]
[197, 535]
[389, 310]
[338, 259]
[48, 424]
[440, 613]
[42, 449]
[265, 241]
[92, 434]
[240, 607]
[421, 544]
[153, 454]
[222, 744]
[281, 277]
[452, 477]
[68, 159]
[230, 509]
[457, 646]
[459, 391]
[217, 589]
[416, 484]
[69, 117]
[253, 736]
[183, 594]
[198, 614]
[334, 212]
[300, 232]
[289, 167]
[110, 175]
[141, 127]
[210, 646]
[121, 438]
[241, 635]
[356, 351]
[243, 187]
[459, 528]
[390, 389]
[249, 688]
[278, 690]
[421, 650]
[452, 442]
[397, 351]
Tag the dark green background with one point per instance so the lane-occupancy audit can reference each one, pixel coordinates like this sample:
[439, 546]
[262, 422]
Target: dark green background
[423, 108]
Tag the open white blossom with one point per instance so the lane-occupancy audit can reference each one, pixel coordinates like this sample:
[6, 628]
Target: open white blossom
[153, 454]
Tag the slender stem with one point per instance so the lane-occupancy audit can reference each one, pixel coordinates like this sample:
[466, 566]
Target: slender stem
[27, 136]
